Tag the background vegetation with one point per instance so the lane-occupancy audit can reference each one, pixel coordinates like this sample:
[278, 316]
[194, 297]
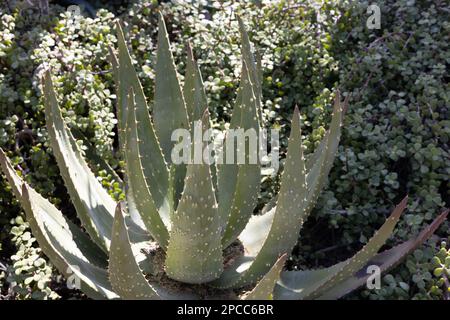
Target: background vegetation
[395, 139]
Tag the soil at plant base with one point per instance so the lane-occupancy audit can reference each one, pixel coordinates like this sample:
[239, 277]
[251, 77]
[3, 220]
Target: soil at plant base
[157, 256]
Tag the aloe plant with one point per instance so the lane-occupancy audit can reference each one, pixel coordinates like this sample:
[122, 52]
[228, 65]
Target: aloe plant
[187, 226]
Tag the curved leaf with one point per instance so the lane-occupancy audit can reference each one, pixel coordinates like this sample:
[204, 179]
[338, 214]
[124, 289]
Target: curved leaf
[385, 261]
[67, 246]
[154, 168]
[141, 194]
[239, 184]
[92, 251]
[253, 65]
[94, 206]
[196, 226]
[249, 91]
[194, 91]
[317, 175]
[125, 273]
[334, 131]
[252, 239]
[264, 288]
[326, 279]
[169, 109]
[195, 97]
[289, 213]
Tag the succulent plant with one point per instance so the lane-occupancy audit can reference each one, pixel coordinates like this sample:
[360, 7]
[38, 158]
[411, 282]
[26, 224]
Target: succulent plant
[190, 226]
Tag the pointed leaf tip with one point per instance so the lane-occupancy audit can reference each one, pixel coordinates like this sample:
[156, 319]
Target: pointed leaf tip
[386, 260]
[2, 155]
[66, 245]
[93, 204]
[240, 21]
[432, 227]
[169, 107]
[205, 116]
[119, 27]
[11, 176]
[161, 21]
[46, 79]
[125, 275]
[344, 270]
[290, 213]
[296, 119]
[189, 51]
[265, 287]
[400, 208]
[139, 147]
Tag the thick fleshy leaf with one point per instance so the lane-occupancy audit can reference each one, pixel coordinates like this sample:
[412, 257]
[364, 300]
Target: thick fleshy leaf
[243, 271]
[239, 184]
[317, 174]
[196, 226]
[264, 289]
[66, 245]
[385, 261]
[253, 65]
[259, 72]
[169, 109]
[314, 159]
[360, 259]
[236, 116]
[293, 283]
[252, 239]
[94, 206]
[194, 91]
[289, 214]
[125, 275]
[120, 113]
[141, 195]
[95, 254]
[227, 174]
[195, 97]
[121, 116]
[124, 79]
[153, 165]
[325, 279]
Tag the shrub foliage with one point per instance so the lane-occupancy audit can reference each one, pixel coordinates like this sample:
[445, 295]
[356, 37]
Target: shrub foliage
[395, 137]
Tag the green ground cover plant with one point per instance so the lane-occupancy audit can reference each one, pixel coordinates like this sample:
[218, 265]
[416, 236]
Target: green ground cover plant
[394, 139]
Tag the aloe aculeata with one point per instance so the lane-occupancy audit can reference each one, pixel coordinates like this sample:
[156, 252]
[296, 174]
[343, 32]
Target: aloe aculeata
[194, 212]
